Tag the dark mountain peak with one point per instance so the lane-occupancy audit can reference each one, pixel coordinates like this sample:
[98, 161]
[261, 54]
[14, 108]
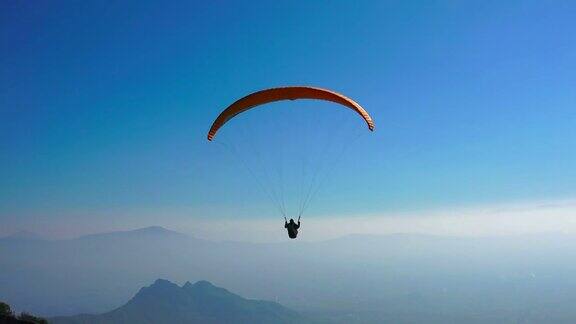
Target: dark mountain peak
[159, 286]
[158, 290]
[163, 283]
[163, 286]
[203, 284]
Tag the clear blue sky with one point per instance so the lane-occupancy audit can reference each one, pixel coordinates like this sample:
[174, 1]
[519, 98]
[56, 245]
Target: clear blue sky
[104, 105]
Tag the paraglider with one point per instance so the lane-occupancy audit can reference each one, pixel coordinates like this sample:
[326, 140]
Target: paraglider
[285, 93]
[260, 99]
[292, 227]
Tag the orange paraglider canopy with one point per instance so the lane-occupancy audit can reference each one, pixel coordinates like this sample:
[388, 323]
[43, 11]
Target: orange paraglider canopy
[285, 93]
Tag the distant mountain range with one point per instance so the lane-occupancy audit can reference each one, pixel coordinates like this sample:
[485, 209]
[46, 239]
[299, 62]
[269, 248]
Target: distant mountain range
[202, 302]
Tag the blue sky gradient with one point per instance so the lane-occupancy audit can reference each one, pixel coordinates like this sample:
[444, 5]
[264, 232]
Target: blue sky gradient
[104, 106]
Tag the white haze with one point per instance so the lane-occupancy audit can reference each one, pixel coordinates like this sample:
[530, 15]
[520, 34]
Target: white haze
[506, 219]
[546, 216]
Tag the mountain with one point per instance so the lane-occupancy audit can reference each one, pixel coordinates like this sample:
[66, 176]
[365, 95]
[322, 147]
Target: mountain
[202, 302]
[146, 232]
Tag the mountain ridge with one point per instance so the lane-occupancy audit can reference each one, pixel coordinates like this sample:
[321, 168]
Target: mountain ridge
[201, 302]
[150, 231]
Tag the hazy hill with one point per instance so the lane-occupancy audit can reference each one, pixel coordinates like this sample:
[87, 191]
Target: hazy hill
[152, 232]
[202, 302]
